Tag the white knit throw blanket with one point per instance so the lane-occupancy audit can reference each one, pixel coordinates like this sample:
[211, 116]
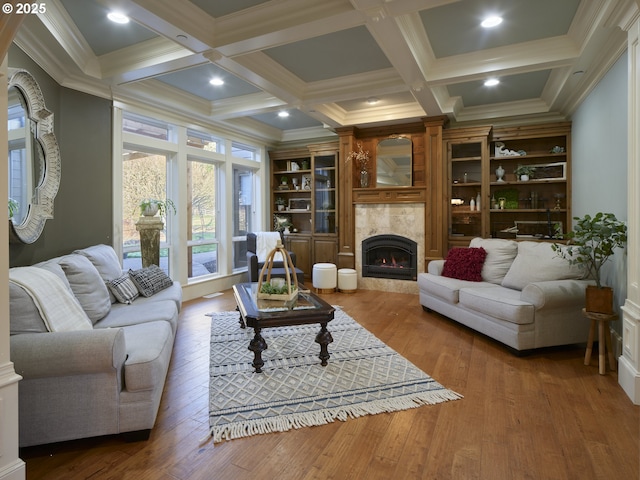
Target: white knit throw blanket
[265, 242]
[58, 307]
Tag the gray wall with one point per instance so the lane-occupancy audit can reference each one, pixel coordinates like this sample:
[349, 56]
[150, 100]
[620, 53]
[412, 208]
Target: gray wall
[599, 147]
[83, 206]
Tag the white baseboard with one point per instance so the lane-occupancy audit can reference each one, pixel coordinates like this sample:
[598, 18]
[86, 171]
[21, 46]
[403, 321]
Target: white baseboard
[14, 471]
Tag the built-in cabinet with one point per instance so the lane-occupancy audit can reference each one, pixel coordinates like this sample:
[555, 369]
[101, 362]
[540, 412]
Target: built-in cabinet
[488, 197]
[304, 202]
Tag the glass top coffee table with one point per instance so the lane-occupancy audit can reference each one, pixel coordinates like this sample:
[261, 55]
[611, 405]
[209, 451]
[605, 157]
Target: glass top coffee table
[258, 314]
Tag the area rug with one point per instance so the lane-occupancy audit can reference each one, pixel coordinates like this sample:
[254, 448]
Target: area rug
[363, 377]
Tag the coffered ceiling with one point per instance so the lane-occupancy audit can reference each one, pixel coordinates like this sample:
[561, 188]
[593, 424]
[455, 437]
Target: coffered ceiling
[324, 60]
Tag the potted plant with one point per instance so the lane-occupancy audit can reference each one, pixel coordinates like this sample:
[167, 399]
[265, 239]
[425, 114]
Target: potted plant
[284, 180]
[149, 207]
[13, 207]
[591, 244]
[524, 173]
[280, 203]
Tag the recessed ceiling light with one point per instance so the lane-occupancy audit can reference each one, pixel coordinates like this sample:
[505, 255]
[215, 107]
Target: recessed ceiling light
[217, 81]
[118, 17]
[283, 114]
[492, 82]
[491, 22]
[372, 100]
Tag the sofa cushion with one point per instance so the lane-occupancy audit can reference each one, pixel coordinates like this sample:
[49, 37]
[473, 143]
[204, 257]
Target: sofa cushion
[500, 303]
[122, 315]
[500, 256]
[446, 288]
[537, 262]
[464, 264]
[150, 280]
[104, 258]
[148, 354]
[87, 285]
[123, 289]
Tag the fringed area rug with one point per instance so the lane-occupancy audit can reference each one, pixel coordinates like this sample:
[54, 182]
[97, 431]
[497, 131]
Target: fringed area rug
[363, 377]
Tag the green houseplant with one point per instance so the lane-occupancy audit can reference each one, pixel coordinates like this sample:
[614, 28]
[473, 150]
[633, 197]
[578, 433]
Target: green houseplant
[591, 244]
[524, 171]
[149, 207]
[13, 207]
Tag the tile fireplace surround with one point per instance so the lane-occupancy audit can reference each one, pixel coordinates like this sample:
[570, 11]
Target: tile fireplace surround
[406, 219]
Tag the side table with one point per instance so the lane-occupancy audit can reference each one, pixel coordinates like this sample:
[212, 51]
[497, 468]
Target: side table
[604, 340]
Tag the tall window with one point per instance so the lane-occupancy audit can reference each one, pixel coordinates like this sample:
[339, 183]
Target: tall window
[144, 176]
[202, 242]
[214, 182]
[243, 213]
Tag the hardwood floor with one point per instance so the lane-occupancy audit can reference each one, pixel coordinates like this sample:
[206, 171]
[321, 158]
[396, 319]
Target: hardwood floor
[542, 416]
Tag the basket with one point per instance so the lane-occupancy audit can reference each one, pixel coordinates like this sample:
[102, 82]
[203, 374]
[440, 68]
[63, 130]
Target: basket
[289, 272]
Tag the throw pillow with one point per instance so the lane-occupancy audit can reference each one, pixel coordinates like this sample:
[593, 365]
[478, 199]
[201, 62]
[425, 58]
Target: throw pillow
[500, 255]
[537, 262]
[464, 264]
[123, 289]
[150, 280]
[87, 285]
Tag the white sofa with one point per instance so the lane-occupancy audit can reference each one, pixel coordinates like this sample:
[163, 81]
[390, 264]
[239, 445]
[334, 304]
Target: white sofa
[528, 297]
[102, 370]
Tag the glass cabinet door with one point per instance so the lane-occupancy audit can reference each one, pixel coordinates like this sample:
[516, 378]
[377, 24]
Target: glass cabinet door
[324, 204]
[465, 189]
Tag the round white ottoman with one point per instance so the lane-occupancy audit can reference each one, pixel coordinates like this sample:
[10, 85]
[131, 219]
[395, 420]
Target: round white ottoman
[347, 280]
[324, 277]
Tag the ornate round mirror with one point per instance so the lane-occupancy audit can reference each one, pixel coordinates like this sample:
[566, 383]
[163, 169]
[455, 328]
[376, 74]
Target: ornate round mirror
[34, 158]
[393, 162]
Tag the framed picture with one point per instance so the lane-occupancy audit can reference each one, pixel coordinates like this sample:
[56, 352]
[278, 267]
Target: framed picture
[538, 229]
[306, 182]
[549, 171]
[299, 204]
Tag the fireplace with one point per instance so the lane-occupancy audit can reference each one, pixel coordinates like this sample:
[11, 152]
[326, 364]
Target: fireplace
[389, 256]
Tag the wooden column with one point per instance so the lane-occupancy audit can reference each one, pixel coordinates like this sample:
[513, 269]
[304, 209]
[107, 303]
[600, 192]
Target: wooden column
[435, 176]
[346, 220]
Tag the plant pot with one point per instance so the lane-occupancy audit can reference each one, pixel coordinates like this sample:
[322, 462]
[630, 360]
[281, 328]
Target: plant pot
[151, 210]
[599, 300]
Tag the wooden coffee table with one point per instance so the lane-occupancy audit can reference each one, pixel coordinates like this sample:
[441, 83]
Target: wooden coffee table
[258, 313]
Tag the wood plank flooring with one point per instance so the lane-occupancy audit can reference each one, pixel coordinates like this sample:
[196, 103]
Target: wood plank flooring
[542, 416]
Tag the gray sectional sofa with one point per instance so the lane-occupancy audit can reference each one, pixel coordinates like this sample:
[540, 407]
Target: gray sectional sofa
[92, 349]
[527, 296]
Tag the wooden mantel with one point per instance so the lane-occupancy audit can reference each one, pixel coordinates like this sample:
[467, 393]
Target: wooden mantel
[390, 195]
[428, 173]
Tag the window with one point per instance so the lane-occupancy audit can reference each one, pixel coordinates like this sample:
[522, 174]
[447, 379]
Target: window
[148, 127]
[202, 241]
[214, 182]
[204, 141]
[246, 152]
[144, 176]
[243, 212]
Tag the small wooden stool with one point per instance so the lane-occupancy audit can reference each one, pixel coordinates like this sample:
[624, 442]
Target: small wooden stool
[604, 340]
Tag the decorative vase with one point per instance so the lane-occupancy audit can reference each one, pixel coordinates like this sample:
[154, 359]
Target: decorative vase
[150, 210]
[599, 300]
[500, 173]
[364, 179]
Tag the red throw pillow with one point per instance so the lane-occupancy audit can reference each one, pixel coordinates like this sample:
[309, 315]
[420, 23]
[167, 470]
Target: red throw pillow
[465, 264]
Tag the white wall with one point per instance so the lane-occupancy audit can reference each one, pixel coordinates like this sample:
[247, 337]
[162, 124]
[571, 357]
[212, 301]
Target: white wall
[599, 161]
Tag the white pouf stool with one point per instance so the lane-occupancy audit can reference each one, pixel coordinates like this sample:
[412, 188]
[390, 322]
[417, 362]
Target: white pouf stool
[347, 280]
[324, 277]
